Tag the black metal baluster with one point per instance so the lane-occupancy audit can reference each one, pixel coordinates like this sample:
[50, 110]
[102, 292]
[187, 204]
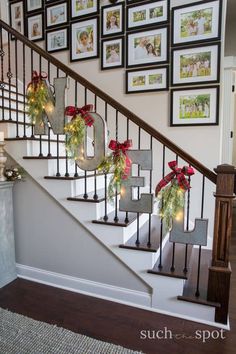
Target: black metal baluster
[172, 268]
[66, 162]
[58, 161]
[24, 88]
[58, 150]
[32, 69]
[85, 172]
[105, 218]
[17, 97]
[2, 53]
[161, 228]
[49, 142]
[197, 293]
[187, 228]
[127, 129]
[40, 136]
[116, 219]
[138, 214]
[9, 73]
[150, 191]
[95, 196]
[76, 103]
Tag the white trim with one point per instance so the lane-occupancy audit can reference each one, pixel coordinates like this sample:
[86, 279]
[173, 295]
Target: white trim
[102, 291]
[83, 286]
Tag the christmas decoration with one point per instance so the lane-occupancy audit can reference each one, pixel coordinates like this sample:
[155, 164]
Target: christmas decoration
[118, 163]
[75, 129]
[14, 174]
[171, 193]
[37, 97]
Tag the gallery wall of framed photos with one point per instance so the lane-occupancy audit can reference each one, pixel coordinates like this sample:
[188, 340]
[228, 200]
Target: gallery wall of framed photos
[160, 49]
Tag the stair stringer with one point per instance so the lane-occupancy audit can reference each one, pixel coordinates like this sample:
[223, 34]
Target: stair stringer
[164, 290]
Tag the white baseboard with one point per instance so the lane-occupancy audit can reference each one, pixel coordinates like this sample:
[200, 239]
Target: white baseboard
[83, 286]
[102, 291]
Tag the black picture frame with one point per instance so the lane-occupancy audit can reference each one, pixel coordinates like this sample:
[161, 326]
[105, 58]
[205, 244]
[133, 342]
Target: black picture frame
[197, 5]
[55, 31]
[54, 6]
[89, 14]
[114, 32]
[164, 68]
[190, 90]
[21, 19]
[82, 24]
[145, 6]
[39, 37]
[37, 9]
[129, 2]
[216, 56]
[121, 61]
[144, 33]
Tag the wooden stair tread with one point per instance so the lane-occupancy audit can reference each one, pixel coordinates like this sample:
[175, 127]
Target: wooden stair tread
[190, 284]
[44, 157]
[11, 121]
[178, 272]
[64, 178]
[121, 222]
[143, 237]
[34, 139]
[90, 199]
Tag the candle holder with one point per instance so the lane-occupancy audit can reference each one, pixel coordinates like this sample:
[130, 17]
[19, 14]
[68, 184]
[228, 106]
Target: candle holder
[3, 160]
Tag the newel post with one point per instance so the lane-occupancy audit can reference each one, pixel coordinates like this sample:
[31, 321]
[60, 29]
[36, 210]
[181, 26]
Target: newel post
[220, 271]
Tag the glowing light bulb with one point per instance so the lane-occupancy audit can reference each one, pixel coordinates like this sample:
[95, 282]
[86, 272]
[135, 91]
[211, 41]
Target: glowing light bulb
[179, 216]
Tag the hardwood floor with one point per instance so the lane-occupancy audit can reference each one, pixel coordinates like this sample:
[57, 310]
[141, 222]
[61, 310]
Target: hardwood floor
[117, 323]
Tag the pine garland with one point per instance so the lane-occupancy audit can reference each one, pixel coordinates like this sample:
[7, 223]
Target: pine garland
[172, 199]
[75, 133]
[37, 97]
[115, 164]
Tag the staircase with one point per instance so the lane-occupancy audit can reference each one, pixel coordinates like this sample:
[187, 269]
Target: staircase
[184, 279]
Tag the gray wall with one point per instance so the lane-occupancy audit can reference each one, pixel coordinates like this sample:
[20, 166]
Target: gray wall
[47, 237]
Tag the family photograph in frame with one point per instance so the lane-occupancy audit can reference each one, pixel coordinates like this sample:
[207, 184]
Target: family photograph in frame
[56, 14]
[197, 22]
[148, 47]
[196, 65]
[149, 14]
[147, 80]
[34, 5]
[112, 17]
[195, 106]
[35, 27]
[112, 53]
[84, 39]
[57, 40]
[17, 16]
[81, 8]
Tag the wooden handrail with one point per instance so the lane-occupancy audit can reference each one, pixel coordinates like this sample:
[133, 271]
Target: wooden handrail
[108, 99]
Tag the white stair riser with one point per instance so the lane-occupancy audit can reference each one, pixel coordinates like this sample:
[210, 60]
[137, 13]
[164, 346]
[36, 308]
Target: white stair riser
[9, 103]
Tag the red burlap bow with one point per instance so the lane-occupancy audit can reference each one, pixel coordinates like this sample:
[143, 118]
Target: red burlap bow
[36, 79]
[117, 148]
[83, 111]
[178, 173]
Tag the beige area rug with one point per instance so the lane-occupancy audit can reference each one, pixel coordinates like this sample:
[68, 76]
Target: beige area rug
[23, 335]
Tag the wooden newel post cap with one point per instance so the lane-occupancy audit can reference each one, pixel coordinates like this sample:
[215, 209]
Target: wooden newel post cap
[225, 169]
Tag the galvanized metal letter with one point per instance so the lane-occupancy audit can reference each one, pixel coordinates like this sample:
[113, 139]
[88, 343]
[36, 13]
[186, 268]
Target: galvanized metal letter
[198, 236]
[55, 109]
[90, 163]
[145, 204]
